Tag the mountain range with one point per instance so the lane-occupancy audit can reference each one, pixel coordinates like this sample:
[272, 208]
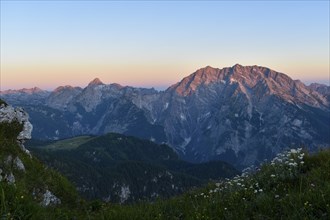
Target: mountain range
[239, 114]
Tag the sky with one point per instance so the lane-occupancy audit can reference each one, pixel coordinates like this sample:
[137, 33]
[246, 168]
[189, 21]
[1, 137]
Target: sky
[157, 43]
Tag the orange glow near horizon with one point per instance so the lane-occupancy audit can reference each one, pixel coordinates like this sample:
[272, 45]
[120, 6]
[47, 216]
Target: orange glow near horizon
[159, 76]
[51, 76]
[53, 43]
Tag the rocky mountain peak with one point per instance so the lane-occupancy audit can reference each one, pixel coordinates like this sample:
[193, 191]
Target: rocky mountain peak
[32, 90]
[237, 66]
[96, 82]
[61, 88]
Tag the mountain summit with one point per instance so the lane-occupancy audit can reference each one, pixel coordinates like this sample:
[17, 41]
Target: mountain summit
[96, 82]
[240, 114]
[251, 79]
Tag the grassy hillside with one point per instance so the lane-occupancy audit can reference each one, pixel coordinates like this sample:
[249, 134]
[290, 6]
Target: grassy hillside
[24, 180]
[293, 186]
[120, 168]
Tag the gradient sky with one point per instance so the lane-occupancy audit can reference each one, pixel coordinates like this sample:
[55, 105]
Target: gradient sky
[155, 44]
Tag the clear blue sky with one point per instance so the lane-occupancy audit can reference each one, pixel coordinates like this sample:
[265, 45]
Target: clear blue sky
[53, 43]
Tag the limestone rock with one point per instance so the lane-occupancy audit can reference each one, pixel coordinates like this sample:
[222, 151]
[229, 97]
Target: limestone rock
[50, 199]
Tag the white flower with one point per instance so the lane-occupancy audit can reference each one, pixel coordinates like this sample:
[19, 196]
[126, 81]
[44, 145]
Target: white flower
[293, 151]
[260, 190]
[302, 162]
[272, 175]
[293, 164]
[277, 196]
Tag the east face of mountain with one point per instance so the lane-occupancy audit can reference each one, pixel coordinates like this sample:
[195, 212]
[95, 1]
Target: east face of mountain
[240, 114]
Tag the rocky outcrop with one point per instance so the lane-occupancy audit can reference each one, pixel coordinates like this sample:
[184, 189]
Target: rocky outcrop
[10, 114]
[49, 199]
[322, 89]
[12, 169]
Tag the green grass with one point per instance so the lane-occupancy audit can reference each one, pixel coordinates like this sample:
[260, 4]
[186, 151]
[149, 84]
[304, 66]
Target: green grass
[67, 144]
[274, 192]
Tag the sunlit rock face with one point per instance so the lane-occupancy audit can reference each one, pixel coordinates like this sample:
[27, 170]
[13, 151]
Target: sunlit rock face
[240, 114]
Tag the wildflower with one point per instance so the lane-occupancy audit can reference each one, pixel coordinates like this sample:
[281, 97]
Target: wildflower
[255, 191]
[293, 164]
[293, 151]
[277, 196]
[272, 175]
[302, 162]
[225, 208]
[22, 197]
[260, 190]
[312, 185]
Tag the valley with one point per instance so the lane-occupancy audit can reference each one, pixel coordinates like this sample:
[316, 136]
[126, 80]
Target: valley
[118, 168]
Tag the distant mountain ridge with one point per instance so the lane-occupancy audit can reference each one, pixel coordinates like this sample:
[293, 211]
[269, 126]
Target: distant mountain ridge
[240, 114]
